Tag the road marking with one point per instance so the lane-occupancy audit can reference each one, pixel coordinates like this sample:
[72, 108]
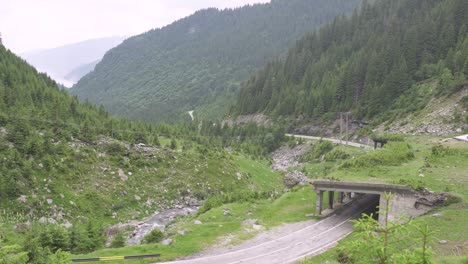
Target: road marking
[319, 249]
[282, 249]
[259, 245]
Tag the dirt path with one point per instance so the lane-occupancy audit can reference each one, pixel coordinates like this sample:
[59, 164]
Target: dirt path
[289, 243]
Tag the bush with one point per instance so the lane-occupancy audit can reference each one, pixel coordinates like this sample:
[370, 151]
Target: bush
[12, 254]
[242, 196]
[415, 184]
[155, 236]
[441, 151]
[336, 154]
[60, 257]
[464, 102]
[392, 154]
[318, 150]
[119, 240]
[116, 148]
[173, 144]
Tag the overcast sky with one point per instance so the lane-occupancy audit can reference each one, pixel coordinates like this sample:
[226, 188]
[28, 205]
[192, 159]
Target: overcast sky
[28, 25]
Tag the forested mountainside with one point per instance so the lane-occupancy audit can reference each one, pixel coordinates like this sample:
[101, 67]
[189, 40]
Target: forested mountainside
[67, 64]
[68, 170]
[199, 62]
[365, 62]
[62, 159]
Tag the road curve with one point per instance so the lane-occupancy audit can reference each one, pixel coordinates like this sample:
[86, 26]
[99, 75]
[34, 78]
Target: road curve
[334, 140]
[309, 241]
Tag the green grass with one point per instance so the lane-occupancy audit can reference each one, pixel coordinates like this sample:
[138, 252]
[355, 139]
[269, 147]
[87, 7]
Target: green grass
[260, 173]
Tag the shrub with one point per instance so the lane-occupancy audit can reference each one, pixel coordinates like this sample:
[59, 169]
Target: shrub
[392, 154]
[155, 236]
[318, 150]
[119, 240]
[441, 151]
[336, 154]
[116, 148]
[60, 257]
[464, 102]
[173, 144]
[241, 196]
[415, 184]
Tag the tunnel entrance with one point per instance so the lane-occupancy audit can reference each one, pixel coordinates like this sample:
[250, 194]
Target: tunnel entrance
[373, 208]
[403, 202]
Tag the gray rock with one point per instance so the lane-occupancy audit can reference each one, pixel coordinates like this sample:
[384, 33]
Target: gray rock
[257, 227]
[50, 201]
[193, 202]
[166, 242]
[22, 227]
[443, 242]
[437, 215]
[197, 222]
[250, 222]
[122, 175]
[44, 220]
[138, 198]
[67, 224]
[183, 232]
[22, 199]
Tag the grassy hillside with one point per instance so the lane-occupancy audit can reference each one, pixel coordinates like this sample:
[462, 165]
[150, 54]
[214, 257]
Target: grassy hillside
[73, 166]
[198, 63]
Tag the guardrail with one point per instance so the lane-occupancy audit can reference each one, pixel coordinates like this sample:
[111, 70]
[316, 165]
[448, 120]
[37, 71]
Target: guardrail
[115, 258]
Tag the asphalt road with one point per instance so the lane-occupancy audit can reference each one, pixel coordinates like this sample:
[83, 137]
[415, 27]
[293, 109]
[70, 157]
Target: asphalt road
[309, 241]
[334, 140]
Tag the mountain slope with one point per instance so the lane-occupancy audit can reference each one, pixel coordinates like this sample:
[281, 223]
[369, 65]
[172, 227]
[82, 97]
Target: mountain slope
[62, 159]
[198, 62]
[62, 61]
[365, 62]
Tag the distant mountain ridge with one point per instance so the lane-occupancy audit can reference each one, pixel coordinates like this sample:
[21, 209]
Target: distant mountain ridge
[68, 63]
[199, 62]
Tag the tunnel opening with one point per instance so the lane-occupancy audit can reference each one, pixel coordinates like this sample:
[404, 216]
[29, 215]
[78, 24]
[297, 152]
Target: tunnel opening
[372, 207]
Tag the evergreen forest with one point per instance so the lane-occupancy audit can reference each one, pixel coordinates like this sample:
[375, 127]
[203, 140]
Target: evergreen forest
[364, 62]
[198, 62]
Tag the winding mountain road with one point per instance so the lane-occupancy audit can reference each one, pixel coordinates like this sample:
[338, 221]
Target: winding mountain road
[309, 241]
[334, 140]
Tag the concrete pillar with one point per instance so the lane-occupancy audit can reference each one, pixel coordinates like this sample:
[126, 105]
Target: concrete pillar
[318, 208]
[341, 197]
[331, 195]
[349, 195]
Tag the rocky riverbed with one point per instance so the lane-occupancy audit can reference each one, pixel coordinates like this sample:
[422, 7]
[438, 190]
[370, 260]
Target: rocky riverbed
[158, 220]
[286, 158]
